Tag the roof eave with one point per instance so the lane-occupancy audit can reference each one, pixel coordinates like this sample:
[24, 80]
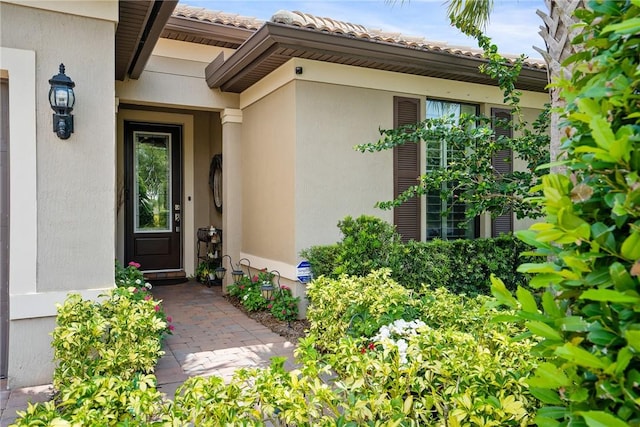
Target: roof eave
[208, 30]
[154, 30]
[272, 36]
[137, 34]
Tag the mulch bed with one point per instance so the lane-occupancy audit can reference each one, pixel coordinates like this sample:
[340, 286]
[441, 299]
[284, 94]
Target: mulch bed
[292, 331]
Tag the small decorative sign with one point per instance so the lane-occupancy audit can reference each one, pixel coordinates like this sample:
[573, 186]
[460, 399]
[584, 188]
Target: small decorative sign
[303, 271]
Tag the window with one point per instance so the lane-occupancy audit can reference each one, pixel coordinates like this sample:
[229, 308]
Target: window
[439, 155]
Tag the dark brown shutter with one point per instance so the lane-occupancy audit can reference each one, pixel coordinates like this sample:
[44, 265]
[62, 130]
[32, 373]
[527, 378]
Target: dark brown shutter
[502, 162]
[406, 170]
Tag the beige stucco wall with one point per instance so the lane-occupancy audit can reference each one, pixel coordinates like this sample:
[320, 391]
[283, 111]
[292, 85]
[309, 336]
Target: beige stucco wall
[71, 195]
[268, 176]
[174, 77]
[332, 179]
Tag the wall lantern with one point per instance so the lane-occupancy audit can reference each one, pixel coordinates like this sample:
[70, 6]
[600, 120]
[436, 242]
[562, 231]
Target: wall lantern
[62, 99]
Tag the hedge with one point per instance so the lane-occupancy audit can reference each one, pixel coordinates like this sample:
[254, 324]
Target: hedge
[461, 266]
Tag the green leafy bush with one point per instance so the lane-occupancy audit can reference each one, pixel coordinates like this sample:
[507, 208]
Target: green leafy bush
[120, 335]
[462, 266]
[101, 401]
[283, 305]
[412, 375]
[106, 352]
[453, 367]
[322, 259]
[130, 276]
[358, 305]
[367, 244]
[589, 246]
[248, 291]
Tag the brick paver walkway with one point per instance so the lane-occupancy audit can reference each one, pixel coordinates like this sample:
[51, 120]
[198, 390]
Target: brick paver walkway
[211, 337]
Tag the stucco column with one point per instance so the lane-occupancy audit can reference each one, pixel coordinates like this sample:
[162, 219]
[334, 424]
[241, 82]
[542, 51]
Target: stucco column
[231, 187]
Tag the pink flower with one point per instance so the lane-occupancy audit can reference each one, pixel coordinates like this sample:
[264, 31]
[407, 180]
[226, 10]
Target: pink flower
[254, 279]
[285, 288]
[241, 287]
[134, 264]
[147, 297]
[156, 308]
[135, 290]
[270, 306]
[169, 319]
[284, 311]
[171, 327]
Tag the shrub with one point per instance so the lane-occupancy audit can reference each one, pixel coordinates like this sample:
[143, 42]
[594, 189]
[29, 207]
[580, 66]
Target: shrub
[426, 372]
[249, 293]
[359, 305]
[367, 244]
[462, 266]
[284, 306]
[589, 245]
[322, 259]
[105, 351]
[130, 276]
[413, 375]
[119, 336]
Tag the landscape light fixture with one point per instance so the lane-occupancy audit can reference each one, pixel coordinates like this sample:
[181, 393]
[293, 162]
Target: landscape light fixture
[62, 99]
[237, 272]
[221, 271]
[267, 288]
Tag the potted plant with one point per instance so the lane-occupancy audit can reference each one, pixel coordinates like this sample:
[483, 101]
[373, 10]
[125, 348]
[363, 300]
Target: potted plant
[206, 271]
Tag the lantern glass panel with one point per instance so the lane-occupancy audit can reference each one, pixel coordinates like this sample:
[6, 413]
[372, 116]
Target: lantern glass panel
[62, 97]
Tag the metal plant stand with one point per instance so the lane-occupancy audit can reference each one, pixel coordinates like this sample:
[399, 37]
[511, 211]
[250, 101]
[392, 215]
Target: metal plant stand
[209, 250]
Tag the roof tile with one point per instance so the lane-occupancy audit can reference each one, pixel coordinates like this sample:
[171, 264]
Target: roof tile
[217, 17]
[329, 25]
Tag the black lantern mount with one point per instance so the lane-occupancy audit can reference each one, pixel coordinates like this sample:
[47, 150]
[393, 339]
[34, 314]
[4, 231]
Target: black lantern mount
[62, 99]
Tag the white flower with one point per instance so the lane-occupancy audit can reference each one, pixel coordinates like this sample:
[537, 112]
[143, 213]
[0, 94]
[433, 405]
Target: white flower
[394, 333]
[138, 281]
[245, 297]
[147, 285]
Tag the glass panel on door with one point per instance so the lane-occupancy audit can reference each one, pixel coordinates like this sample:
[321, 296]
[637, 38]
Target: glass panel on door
[152, 183]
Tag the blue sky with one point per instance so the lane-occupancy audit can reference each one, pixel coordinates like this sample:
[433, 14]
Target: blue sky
[514, 24]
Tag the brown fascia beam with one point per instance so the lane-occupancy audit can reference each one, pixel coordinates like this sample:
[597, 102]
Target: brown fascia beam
[217, 74]
[151, 34]
[272, 36]
[122, 69]
[391, 53]
[209, 30]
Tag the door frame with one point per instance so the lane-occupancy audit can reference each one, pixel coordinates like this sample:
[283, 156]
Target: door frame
[5, 223]
[129, 113]
[176, 231]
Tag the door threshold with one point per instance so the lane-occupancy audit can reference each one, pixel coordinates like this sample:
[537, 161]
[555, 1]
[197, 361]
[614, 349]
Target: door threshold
[165, 277]
[166, 270]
